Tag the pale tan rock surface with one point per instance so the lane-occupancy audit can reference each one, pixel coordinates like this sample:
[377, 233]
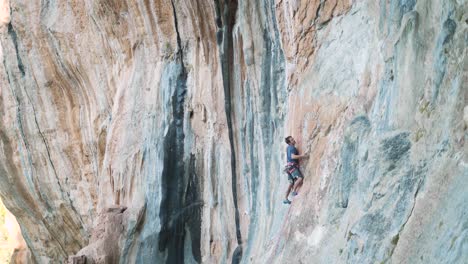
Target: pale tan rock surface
[177, 111]
[21, 254]
[13, 248]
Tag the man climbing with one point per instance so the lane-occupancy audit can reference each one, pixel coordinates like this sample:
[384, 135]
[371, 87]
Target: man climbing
[295, 176]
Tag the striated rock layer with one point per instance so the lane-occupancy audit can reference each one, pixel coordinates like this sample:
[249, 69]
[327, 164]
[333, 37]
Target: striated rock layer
[153, 131]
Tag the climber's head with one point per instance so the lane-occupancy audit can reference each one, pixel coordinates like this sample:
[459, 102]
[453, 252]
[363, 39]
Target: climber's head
[290, 140]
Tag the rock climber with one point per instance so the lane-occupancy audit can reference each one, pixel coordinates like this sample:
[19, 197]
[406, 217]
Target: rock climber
[295, 176]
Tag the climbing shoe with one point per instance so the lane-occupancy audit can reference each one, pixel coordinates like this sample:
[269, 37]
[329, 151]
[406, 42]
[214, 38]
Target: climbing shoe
[294, 193]
[287, 201]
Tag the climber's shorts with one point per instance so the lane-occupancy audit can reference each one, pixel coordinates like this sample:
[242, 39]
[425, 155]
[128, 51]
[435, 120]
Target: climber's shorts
[293, 176]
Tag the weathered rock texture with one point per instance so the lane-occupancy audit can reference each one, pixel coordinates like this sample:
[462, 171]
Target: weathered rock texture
[151, 131]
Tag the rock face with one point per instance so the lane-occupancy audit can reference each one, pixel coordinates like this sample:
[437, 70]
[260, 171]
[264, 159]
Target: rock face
[153, 131]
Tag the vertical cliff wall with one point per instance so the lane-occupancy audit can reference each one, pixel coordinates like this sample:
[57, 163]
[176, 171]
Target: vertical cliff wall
[153, 131]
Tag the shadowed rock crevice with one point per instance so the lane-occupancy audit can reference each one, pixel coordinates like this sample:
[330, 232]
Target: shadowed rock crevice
[440, 67]
[193, 208]
[226, 16]
[14, 38]
[177, 179]
[172, 230]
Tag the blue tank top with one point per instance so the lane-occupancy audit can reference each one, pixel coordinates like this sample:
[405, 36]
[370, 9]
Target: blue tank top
[292, 150]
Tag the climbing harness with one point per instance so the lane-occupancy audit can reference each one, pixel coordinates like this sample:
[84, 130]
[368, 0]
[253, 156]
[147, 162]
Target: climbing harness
[291, 167]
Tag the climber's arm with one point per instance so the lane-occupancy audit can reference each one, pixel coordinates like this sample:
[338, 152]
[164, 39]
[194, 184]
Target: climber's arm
[294, 156]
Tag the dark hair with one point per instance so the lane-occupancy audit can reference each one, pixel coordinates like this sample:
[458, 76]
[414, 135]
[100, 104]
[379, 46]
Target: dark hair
[287, 139]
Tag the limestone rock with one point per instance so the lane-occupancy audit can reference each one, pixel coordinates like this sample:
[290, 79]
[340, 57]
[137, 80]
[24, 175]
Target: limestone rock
[177, 111]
